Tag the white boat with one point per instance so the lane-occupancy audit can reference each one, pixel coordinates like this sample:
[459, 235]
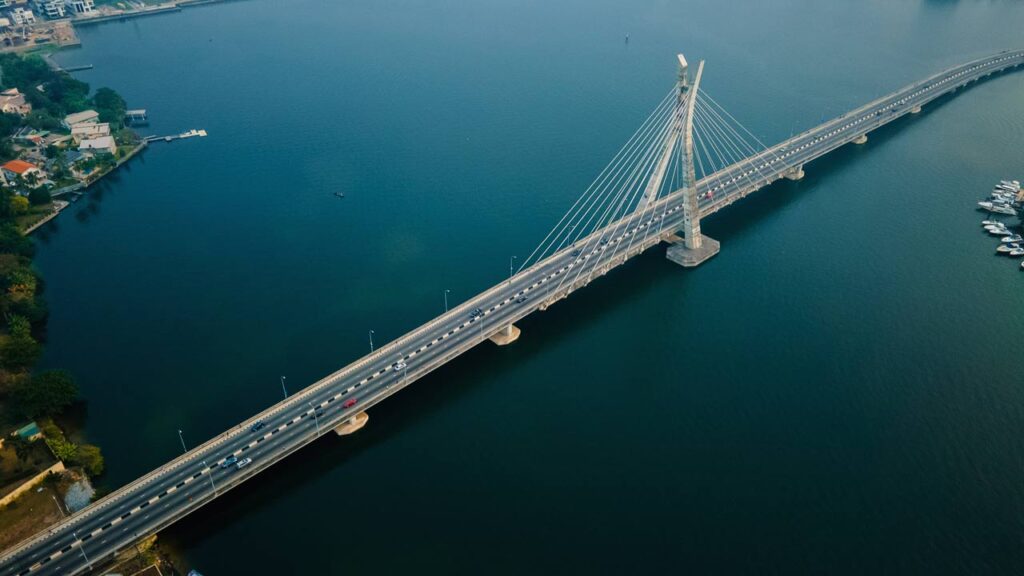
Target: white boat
[1011, 239]
[987, 223]
[1022, 265]
[1007, 248]
[985, 204]
[1017, 252]
[1014, 183]
[998, 231]
[1003, 210]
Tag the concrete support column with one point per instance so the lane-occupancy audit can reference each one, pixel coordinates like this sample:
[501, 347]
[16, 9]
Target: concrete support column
[862, 139]
[795, 173]
[506, 335]
[915, 110]
[353, 424]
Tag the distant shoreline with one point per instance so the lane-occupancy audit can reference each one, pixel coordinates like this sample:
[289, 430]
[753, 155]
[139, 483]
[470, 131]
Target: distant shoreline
[167, 8]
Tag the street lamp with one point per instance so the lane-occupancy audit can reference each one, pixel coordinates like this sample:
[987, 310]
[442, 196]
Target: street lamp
[510, 261]
[283, 389]
[446, 301]
[371, 341]
[210, 476]
[62, 514]
[81, 548]
[315, 420]
[182, 438]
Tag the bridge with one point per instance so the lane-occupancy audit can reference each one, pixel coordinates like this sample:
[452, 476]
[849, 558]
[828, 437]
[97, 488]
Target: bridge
[689, 159]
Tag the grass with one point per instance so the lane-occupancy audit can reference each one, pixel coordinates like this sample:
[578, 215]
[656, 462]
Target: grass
[34, 214]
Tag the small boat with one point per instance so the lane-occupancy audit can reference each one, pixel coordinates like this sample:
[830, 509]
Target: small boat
[985, 204]
[987, 223]
[339, 194]
[1000, 209]
[1000, 232]
[1017, 252]
[1011, 239]
[1013, 183]
[1006, 248]
[1022, 265]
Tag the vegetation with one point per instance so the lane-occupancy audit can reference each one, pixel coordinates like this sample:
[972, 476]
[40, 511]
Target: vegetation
[87, 456]
[45, 394]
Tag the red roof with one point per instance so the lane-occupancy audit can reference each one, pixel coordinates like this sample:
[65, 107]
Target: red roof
[18, 166]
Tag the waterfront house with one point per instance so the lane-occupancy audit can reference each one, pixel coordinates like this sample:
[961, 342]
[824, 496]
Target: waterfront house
[52, 9]
[13, 102]
[79, 7]
[28, 136]
[101, 144]
[83, 117]
[89, 130]
[28, 172]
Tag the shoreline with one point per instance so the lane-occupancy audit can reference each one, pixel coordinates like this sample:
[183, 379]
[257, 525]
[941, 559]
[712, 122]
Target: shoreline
[168, 8]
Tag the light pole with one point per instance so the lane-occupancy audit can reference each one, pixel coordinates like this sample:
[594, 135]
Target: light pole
[446, 301]
[315, 419]
[510, 261]
[81, 548]
[283, 389]
[62, 514]
[210, 476]
[182, 438]
[371, 341]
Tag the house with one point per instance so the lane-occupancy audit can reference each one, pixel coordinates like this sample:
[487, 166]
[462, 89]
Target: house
[29, 432]
[28, 136]
[22, 16]
[52, 9]
[82, 117]
[13, 102]
[28, 172]
[79, 7]
[101, 144]
[89, 130]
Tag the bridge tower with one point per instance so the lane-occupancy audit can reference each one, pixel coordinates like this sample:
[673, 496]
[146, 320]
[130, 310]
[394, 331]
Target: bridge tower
[696, 247]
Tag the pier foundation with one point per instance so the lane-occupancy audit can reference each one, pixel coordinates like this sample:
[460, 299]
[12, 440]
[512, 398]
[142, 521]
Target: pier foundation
[506, 335]
[862, 139]
[688, 257]
[797, 173]
[915, 110]
[353, 424]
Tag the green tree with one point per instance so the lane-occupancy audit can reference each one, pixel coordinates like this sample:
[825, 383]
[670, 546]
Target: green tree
[22, 449]
[90, 458]
[19, 205]
[45, 394]
[110, 106]
[38, 197]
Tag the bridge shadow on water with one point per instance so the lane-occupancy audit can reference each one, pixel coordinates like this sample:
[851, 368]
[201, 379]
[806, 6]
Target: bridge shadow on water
[562, 323]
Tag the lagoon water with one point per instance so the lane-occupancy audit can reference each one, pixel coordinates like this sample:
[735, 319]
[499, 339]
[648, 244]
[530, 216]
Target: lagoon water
[839, 391]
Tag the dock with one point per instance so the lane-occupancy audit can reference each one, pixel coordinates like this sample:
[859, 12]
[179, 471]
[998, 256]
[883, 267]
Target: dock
[182, 136]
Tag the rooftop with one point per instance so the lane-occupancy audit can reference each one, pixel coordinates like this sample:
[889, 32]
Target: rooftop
[18, 166]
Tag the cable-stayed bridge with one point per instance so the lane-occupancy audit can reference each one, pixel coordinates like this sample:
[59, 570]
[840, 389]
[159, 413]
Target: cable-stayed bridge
[689, 159]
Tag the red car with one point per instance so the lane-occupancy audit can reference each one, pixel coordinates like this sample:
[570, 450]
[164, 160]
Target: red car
[349, 403]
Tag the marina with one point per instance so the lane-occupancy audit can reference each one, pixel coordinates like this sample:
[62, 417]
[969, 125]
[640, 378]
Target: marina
[1006, 199]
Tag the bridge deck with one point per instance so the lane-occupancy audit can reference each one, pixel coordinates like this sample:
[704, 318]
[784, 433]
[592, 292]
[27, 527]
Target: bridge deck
[190, 481]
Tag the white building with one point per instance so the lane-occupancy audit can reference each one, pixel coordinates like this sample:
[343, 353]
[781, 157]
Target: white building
[83, 117]
[22, 16]
[89, 130]
[101, 144]
[78, 7]
[52, 9]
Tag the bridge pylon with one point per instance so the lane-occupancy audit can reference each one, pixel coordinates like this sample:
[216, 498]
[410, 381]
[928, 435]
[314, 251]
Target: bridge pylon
[696, 247]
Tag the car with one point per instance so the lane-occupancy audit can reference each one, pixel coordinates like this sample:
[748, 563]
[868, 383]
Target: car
[604, 241]
[229, 461]
[257, 425]
[350, 403]
[243, 463]
[398, 366]
[319, 413]
[522, 298]
[576, 253]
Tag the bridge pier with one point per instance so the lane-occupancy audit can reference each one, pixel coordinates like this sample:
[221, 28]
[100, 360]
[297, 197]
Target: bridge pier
[795, 173]
[862, 139]
[506, 335]
[353, 424]
[688, 257]
[915, 110]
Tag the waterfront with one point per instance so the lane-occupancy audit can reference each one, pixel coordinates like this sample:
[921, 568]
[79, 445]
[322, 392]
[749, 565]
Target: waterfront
[823, 394]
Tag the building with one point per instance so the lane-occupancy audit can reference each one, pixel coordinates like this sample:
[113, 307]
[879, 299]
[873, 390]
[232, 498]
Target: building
[13, 102]
[79, 7]
[89, 130]
[101, 144]
[22, 16]
[5, 3]
[27, 171]
[82, 117]
[52, 9]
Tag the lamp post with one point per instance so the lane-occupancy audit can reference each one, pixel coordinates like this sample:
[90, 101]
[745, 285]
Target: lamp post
[371, 341]
[62, 514]
[182, 438]
[81, 548]
[446, 300]
[210, 476]
[510, 261]
[315, 419]
[283, 389]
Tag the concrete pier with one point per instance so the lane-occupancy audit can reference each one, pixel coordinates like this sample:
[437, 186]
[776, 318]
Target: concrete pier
[862, 139]
[692, 257]
[353, 424]
[506, 335]
[915, 110]
[795, 174]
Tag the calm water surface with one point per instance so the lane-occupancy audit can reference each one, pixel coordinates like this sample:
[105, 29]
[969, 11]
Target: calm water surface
[839, 391]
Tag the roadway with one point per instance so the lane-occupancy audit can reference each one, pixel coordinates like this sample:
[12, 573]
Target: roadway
[196, 478]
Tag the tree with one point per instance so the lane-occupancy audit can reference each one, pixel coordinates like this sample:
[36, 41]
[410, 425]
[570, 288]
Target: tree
[90, 458]
[38, 197]
[110, 106]
[19, 205]
[46, 394]
[22, 449]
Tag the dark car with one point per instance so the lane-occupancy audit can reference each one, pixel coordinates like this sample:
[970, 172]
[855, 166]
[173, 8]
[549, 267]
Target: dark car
[522, 298]
[576, 253]
[229, 461]
[257, 425]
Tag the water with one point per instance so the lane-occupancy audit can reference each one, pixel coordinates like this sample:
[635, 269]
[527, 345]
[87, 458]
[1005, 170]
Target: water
[838, 391]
